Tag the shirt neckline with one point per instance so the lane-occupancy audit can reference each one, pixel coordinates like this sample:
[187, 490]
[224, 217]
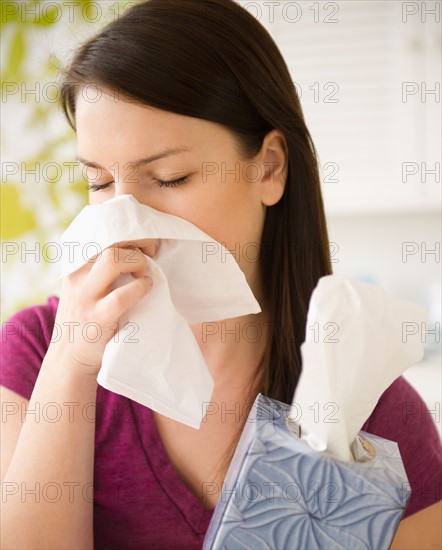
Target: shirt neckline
[180, 495]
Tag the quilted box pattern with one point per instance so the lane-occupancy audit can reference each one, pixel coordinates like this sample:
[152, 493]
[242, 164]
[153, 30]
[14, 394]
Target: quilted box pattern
[281, 494]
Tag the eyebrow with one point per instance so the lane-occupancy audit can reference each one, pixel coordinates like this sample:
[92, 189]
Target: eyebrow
[141, 162]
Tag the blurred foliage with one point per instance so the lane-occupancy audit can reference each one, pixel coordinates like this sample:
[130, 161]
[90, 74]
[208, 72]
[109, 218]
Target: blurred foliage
[37, 204]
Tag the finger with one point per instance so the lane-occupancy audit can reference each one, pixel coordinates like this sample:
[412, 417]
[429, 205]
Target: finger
[122, 298]
[147, 246]
[113, 262]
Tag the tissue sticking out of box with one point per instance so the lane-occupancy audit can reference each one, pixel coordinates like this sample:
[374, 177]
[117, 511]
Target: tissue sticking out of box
[359, 339]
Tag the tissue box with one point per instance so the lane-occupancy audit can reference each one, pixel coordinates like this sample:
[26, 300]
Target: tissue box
[279, 493]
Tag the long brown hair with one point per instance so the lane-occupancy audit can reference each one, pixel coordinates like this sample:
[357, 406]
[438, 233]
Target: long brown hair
[213, 60]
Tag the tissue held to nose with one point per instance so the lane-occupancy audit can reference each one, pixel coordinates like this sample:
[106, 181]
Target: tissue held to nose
[154, 357]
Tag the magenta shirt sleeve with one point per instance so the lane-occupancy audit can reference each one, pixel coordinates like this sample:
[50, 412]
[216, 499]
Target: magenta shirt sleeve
[25, 338]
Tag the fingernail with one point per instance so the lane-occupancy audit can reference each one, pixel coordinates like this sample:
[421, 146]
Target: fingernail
[149, 279]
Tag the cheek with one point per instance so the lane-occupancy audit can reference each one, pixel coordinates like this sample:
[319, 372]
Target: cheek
[229, 227]
[224, 209]
[95, 198]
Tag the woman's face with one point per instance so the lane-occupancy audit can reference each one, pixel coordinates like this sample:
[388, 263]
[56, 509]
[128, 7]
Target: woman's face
[222, 194]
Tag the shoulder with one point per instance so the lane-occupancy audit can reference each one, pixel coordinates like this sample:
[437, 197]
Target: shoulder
[25, 338]
[33, 324]
[401, 415]
[400, 409]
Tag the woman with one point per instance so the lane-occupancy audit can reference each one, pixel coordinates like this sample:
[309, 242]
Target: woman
[189, 107]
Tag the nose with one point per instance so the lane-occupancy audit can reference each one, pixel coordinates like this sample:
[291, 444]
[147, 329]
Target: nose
[150, 247]
[127, 180]
[122, 187]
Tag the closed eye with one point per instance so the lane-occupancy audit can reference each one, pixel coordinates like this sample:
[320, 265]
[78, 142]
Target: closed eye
[95, 187]
[160, 183]
[172, 183]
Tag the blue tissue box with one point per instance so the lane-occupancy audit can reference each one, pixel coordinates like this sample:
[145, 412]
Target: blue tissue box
[280, 494]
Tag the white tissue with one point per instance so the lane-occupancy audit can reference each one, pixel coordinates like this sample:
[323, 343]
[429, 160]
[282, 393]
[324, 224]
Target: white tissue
[341, 381]
[155, 358]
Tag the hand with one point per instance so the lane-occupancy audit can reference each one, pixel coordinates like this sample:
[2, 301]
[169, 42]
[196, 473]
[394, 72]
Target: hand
[87, 298]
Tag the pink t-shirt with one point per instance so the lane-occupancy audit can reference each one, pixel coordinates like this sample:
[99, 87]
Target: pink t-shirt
[140, 501]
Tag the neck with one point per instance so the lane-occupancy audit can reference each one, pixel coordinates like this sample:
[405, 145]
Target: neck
[233, 349]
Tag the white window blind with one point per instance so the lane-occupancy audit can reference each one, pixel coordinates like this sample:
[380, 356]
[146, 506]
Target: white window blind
[350, 60]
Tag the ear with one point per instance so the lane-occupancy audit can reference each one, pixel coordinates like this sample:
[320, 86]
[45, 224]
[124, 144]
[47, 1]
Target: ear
[274, 160]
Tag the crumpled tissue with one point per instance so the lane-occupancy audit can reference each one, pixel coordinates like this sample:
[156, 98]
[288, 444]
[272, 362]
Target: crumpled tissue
[154, 358]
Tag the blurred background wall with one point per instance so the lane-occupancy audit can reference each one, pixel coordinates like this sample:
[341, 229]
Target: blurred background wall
[369, 77]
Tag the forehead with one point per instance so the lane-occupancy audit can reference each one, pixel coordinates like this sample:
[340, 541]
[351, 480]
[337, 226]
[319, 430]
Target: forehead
[108, 113]
[107, 124]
